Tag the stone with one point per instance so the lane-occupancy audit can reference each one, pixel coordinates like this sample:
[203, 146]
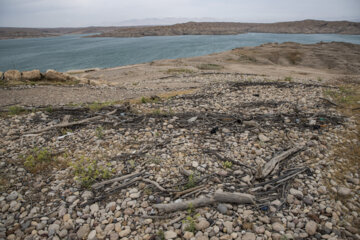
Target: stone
[343, 191]
[92, 235]
[188, 235]
[12, 75]
[12, 196]
[125, 232]
[311, 227]
[52, 229]
[53, 75]
[322, 189]
[260, 230]
[87, 195]
[83, 231]
[1, 76]
[114, 236]
[202, 225]
[263, 138]
[33, 75]
[229, 226]
[222, 208]
[170, 235]
[248, 236]
[296, 193]
[94, 208]
[111, 206]
[278, 227]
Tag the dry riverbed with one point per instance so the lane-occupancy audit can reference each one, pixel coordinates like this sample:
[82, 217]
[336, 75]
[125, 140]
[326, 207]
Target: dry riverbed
[215, 139]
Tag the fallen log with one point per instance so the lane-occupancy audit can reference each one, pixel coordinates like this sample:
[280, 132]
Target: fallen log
[238, 198]
[64, 125]
[273, 163]
[179, 206]
[218, 197]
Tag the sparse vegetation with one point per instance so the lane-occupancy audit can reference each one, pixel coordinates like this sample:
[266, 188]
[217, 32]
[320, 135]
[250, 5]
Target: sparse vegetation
[227, 164]
[161, 235]
[209, 66]
[191, 182]
[87, 171]
[15, 110]
[190, 220]
[39, 159]
[288, 79]
[294, 57]
[99, 132]
[179, 71]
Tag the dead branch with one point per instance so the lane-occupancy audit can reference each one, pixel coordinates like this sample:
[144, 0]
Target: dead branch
[220, 197]
[190, 190]
[238, 198]
[156, 185]
[179, 206]
[329, 101]
[118, 179]
[273, 163]
[64, 125]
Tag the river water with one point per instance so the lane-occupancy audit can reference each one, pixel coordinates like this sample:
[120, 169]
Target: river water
[76, 52]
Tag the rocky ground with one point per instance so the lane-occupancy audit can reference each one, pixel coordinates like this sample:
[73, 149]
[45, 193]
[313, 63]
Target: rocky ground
[172, 150]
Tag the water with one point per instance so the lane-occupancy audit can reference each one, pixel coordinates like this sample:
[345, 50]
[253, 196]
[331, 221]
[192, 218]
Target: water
[74, 52]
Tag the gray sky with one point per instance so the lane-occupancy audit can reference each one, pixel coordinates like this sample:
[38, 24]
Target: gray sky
[76, 13]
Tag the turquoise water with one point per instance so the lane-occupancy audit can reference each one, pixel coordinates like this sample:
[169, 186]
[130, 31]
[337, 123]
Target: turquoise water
[74, 52]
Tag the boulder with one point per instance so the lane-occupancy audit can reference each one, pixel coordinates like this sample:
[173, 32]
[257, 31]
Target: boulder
[12, 75]
[33, 75]
[53, 75]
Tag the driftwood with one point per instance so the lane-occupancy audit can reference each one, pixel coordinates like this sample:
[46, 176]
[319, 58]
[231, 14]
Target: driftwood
[238, 198]
[195, 203]
[190, 190]
[155, 184]
[64, 125]
[273, 163]
[118, 179]
[218, 197]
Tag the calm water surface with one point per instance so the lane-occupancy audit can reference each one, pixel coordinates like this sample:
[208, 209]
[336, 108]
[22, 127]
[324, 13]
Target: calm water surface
[74, 52]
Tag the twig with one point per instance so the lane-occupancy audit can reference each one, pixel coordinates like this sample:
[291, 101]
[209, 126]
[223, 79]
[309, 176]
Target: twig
[118, 179]
[329, 101]
[156, 185]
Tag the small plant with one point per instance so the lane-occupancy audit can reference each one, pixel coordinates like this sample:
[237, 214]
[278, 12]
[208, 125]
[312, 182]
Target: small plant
[15, 110]
[135, 83]
[87, 171]
[288, 79]
[49, 109]
[99, 132]
[191, 182]
[38, 159]
[227, 164]
[319, 79]
[161, 235]
[190, 220]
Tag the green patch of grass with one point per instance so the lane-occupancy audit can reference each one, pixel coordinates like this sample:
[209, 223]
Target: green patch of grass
[99, 132]
[152, 99]
[190, 219]
[87, 171]
[191, 181]
[288, 79]
[227, 164]
[39, 159]
[210, 66]
[179, 71]
[160, 235]
[15, 110]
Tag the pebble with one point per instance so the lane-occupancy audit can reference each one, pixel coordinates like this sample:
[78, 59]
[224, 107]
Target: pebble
[278, 227]
[311, 227]
[222, 208]
[202, 225]
[83, 231]
[343, 191]
[125, 232]
[170, 235]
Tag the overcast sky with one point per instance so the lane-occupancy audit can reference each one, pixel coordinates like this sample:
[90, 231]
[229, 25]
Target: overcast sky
[76, 13]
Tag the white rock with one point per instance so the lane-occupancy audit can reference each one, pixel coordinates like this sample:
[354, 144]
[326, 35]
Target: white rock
[125, 232]
[278, 227]
[343, 191]
[92, 235]
[263, 138]
[170, 235]
[311, 227]
[296, 193]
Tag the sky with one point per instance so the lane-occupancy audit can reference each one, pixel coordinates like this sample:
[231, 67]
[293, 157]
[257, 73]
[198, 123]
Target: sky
[81, 13]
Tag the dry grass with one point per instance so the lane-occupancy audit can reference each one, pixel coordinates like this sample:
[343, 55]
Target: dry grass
[179, 71]
[346, 156]
[210, 66]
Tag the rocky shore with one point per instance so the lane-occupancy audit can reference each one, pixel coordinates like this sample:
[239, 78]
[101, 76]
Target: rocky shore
[108, 171]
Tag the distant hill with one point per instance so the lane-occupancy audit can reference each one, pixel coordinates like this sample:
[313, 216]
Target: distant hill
[193, 28]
